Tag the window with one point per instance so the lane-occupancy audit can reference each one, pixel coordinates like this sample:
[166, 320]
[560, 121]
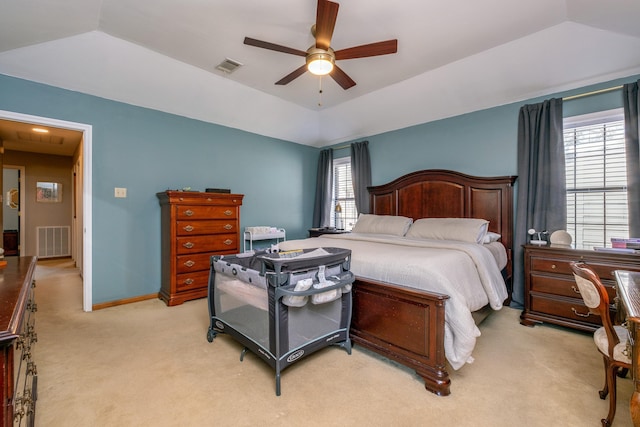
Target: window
[596, 179]
[343, 195]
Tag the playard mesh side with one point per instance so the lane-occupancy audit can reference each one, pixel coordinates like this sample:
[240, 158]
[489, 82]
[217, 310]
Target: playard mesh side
[282, 306]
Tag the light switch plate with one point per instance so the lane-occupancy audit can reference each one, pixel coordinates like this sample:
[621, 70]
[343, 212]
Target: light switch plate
[120, 192]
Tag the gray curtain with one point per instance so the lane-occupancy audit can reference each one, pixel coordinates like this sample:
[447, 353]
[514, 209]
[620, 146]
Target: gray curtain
[631, 130]
[541, 201]
[324, 189]
[361, 174]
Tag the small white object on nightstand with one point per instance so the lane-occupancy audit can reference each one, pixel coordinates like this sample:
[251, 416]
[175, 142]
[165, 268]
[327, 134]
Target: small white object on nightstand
[538, 240]
[561, 239]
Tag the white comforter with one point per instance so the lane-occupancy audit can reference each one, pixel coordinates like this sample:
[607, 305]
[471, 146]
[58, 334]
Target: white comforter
[467, 272]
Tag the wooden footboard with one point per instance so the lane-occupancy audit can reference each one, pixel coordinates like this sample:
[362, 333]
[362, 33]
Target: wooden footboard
[404, 325]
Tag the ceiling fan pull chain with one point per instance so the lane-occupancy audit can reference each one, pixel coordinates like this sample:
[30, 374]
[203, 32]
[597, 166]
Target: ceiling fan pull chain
[320, 91]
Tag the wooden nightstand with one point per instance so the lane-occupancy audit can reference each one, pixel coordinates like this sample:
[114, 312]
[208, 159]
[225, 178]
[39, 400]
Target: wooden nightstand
[315, 232]
[551, 294]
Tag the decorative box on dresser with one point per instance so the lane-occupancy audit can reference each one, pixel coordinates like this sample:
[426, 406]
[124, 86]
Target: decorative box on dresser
[551, 294]
[19, 380]
[195, 226]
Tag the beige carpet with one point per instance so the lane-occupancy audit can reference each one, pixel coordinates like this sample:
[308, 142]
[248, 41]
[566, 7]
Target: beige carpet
[146, 364]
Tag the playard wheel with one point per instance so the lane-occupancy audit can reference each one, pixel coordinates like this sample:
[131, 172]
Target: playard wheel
[211, 334]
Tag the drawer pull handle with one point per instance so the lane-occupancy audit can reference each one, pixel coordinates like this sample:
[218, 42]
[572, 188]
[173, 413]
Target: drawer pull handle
[188, 228]
[189, 263]
[580, 314]
[188, 212]
[228, 227]
[553, 266]
[188, 282]
[32, 369]
[228, 242]
[228, 212]
[188, 245]
[576, 290]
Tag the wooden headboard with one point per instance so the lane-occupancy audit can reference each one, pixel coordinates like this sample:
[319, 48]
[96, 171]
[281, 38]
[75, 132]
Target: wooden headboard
[437, 193]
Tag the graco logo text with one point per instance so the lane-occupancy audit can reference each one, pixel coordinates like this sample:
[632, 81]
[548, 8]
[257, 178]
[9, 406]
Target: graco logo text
[295, 356]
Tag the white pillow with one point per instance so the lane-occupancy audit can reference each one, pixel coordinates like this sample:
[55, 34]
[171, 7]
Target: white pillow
[470, 230]
[491, 237]
[382, 224]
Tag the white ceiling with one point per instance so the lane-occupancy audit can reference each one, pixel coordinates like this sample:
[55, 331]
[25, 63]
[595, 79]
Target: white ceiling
[454, 57]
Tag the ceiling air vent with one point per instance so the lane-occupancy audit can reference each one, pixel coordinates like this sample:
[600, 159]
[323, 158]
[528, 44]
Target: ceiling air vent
[228, 66]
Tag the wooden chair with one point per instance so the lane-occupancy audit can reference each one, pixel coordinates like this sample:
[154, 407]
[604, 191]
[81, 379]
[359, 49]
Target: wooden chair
[611, 340]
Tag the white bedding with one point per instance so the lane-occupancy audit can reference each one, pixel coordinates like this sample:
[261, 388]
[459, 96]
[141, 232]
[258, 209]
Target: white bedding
[467, 272]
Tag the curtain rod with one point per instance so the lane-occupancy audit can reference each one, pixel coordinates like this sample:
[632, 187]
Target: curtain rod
[595, 92]
[340, 147]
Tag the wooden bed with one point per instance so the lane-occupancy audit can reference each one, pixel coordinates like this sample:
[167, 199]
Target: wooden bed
[416, 336]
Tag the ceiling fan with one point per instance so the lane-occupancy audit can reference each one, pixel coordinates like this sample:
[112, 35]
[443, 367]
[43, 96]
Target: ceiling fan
[321, 58]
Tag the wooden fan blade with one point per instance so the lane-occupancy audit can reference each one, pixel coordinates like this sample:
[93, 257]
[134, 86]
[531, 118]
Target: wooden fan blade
[366, 50]
[273, 46]
[326, 15]
[293, 75]
[342, 78]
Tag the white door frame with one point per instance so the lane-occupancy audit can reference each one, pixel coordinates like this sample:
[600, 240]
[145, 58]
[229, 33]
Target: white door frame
[86, 129]
[22, 202]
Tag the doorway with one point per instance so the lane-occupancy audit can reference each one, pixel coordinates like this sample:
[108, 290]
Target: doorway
[83, 224]
[13, 221]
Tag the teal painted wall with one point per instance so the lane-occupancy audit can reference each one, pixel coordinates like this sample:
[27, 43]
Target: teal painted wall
[482, 143]
[148, 151]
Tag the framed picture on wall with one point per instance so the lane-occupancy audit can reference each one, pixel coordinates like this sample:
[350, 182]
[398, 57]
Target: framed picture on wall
[13, 198]
[48, 192]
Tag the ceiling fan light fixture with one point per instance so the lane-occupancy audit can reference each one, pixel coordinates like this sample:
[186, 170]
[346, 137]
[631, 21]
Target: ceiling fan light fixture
[320, 58]
[320, 62]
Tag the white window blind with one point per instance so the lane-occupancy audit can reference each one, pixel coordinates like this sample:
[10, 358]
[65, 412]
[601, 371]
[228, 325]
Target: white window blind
[343, 195]
[596, 180]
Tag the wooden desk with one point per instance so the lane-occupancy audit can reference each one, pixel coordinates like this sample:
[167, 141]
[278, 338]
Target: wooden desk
[628, 286]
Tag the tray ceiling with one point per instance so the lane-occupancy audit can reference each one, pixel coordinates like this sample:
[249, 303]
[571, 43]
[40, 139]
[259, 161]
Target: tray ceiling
[453, 57]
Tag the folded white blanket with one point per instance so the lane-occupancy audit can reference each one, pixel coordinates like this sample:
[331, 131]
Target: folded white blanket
[258, 230]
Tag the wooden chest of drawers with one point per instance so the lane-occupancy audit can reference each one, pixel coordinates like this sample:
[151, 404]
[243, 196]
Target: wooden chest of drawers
[18, 337]
[194, 227]
[551, 294]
